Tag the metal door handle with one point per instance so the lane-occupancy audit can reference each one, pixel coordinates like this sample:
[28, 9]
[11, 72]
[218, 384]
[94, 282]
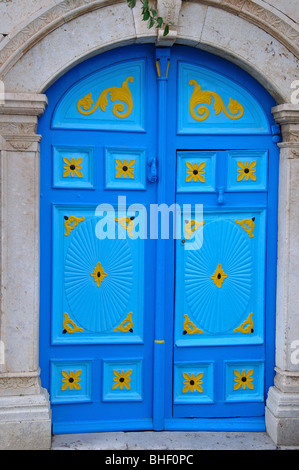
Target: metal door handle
[220, 195]
[153, 176]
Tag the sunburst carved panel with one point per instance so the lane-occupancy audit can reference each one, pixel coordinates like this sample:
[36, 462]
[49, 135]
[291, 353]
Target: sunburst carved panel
[97, 308]
[216, 309]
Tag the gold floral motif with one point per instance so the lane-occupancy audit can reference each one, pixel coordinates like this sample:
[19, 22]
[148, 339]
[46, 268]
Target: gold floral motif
[71, 380]
[121, 94]
[219, 276]
[72, 167]
[189, 327]
[195, 172]
[126, 325]
[200, 96]
[125, 169]
[69, 325]
[246, 171]
[98, 274]
[70, 222]
[246, 326]
[122, 379]
[243, 380]
[192, 383]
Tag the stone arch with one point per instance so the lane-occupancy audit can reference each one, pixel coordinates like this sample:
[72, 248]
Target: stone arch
[246, 33]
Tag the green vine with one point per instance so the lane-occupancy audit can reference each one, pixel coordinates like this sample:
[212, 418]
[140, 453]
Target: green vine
[150, 15]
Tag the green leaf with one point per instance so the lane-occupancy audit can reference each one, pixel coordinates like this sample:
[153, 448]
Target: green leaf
[166, 30]
[151, 23]
[131, 3]
[146, 15]
[150, 14]
[159, 21]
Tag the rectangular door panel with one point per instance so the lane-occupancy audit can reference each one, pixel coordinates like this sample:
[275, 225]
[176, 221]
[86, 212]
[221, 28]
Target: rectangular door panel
[220, 280]
[97, 280]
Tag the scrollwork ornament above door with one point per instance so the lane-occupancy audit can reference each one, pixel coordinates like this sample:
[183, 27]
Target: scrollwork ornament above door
[234, 109]
[121, 94]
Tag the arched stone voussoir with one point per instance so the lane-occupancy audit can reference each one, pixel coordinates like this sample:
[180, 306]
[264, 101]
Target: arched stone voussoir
[232, 36]
[94, 27]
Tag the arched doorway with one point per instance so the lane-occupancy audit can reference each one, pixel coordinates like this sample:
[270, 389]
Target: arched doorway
[143, 325]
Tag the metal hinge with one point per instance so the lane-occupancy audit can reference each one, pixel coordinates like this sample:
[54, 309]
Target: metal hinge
[276, 133]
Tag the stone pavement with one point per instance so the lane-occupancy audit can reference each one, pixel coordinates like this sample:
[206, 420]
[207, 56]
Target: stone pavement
[165, 440]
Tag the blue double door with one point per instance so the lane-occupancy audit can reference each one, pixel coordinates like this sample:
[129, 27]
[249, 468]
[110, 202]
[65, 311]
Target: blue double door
[158, 239]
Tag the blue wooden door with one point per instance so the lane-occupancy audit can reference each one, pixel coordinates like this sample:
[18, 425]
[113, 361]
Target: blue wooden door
[225, 257]
[138, 330]
[96, 264]
[220, 289]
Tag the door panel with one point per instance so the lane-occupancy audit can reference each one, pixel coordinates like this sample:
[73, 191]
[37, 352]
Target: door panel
[220, 281]
[111, 98]
[100, 284]
[235, 110]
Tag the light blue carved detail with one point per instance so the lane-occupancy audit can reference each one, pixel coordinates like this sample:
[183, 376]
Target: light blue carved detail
[67, 116]
[253, 119]
[133, 391]
[254, 370]
[112, 155]
[206, 383]
[68, 395]
[84, 153]
[261, 170]
[209, 158]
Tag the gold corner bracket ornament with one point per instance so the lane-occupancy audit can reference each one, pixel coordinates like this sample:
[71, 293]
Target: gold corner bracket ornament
[69, 326]
[246, 326]
[127, 223]
[191, 226]
[247, 225]
[71, 222]
[189, 327]
[121, 94]
[200, 97]
[126, 325]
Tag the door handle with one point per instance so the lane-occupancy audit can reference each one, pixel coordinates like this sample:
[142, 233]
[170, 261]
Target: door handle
[153, 175]
[220, 195]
